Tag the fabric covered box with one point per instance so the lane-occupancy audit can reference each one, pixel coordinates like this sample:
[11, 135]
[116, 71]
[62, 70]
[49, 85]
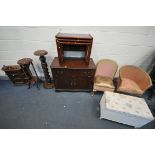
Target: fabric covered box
[125, 109]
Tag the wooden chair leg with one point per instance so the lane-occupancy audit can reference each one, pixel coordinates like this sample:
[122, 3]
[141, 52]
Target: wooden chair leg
[94, 91]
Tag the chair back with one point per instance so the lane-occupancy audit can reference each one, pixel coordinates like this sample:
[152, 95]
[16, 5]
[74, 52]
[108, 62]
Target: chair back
[106, 68]
[136, 74]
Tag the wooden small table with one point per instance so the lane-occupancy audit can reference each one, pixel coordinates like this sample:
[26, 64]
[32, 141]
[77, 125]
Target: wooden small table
[25, 64]
[16, 74]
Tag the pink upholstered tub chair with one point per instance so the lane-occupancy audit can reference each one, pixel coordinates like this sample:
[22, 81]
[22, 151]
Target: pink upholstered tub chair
[105, 72]
[133, 80]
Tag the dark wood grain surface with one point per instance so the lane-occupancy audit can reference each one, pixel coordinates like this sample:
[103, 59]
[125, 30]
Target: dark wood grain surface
[74, 36]
[72, 64]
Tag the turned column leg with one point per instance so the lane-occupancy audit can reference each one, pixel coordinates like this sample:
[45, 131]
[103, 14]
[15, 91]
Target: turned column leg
[45, 69]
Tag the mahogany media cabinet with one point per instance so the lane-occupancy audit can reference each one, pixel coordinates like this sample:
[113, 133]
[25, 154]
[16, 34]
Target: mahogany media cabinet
[73, 75]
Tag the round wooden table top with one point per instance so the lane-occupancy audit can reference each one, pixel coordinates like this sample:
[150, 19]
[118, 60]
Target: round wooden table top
[40, 52]
[24, 61]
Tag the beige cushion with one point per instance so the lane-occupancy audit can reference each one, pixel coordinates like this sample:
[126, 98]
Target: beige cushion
[130, 86]
[103, 81]
[98, 88]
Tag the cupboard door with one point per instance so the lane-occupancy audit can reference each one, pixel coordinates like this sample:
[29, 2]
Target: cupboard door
[80, 79]
[73, 79]
[59, 78]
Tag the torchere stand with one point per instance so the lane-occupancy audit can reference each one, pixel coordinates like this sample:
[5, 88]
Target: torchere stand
[25, 64]
[48, 84]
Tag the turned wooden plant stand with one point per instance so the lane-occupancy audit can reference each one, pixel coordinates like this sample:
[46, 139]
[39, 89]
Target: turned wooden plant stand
[48, 81]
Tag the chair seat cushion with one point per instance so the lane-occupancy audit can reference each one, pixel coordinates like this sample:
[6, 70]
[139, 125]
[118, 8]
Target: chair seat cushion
[129, 86]
[103, 82]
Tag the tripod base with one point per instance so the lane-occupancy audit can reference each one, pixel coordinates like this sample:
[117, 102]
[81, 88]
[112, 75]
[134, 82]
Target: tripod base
[48, 85]
[34, 81]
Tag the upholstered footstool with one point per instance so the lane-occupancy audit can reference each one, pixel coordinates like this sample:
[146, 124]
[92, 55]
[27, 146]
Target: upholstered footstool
[125, 109]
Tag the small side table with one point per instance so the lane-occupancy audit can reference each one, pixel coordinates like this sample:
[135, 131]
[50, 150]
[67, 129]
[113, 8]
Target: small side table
[16, 74]
[48, 84]
[25, 64]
